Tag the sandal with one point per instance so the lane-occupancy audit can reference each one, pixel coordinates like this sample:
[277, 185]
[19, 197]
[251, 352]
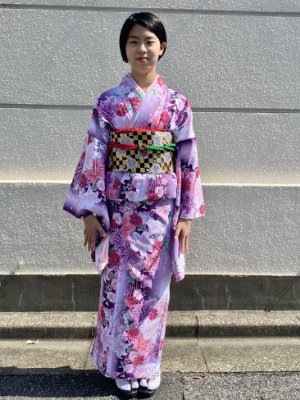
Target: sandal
[126, 387]
[148, 386]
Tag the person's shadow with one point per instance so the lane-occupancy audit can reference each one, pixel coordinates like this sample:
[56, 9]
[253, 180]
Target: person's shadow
[56, 383]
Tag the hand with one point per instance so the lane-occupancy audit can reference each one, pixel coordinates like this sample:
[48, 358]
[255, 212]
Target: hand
[92, 225]
[183, 231]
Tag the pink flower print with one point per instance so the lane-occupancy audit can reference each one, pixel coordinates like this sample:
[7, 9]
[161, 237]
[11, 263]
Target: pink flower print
[116, 183]
[121, 110]
[152, 302]
[127, 227]
[157, 245]
[131, 301]
[163, 211]
[165, 118]
[144, 125]
[155, 121]
[130, 195]
[138, 295]
[153, 314]
[135, 102]
[159, 190]
[201, 209]
[117, 218]
[192, 176]
[152, 196]
[161, 345]
[100, 185]
[83, 180]
[133, 333]
[138, 360]
[102, 313]
[160, 81]
[134, 272]
[187, 104]
[132, 355]
[186, 184]
[140, 374]
[114, 283]
[110, 193]
[152, 261]
[135, 219]
[111, 297]
[127, 210]
[128, 368]
[142, 345]
[114, 259]
[96, 172]
[197, 172]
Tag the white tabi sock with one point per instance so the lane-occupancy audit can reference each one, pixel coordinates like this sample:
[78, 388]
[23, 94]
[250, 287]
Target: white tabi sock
[152, 382]
[123, 385]
[134, 384]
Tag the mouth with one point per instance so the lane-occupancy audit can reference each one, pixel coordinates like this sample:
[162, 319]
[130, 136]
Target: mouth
[142, 59]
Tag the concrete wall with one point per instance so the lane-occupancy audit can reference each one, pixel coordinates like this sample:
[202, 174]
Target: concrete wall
[237, 63]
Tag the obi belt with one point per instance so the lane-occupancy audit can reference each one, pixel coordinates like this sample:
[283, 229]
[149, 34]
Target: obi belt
[141, 150]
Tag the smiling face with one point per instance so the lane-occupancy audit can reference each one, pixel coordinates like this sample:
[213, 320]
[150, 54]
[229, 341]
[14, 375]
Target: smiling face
[143, 49]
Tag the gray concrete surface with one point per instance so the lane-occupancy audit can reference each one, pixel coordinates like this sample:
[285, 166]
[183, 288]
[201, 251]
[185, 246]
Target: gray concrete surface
[72, 55]
[174, 386]
[241, 79]
[240, 368]
[80, 292]
[199, 5]
[206, 355]
[76, 325]
[238, 159]
[244, 231]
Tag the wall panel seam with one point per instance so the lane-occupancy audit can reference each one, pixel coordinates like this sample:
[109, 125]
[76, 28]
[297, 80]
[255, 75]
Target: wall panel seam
[195, 109]
[152, 9]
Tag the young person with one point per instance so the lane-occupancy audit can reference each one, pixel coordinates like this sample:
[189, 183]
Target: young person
[137, 187]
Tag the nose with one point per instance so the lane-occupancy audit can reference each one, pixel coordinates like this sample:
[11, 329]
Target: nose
[142, 48]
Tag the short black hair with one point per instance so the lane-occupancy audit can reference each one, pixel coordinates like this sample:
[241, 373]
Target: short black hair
[149, 21]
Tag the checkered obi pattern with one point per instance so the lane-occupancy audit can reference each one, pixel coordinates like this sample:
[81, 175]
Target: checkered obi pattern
[141, 151]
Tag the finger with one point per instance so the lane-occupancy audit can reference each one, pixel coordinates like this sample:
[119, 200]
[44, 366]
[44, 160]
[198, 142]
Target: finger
[177, 232]
[90, 243]
[84, 231]
[187, 244]
[182, 243]
[101, 230]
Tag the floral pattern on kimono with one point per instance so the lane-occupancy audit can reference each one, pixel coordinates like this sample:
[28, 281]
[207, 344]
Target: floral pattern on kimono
[127, 106]
[140, 213]
[135, 290]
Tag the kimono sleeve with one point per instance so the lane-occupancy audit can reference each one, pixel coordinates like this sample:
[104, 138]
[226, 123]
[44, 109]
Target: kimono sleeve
[189, 200]
[86, 194]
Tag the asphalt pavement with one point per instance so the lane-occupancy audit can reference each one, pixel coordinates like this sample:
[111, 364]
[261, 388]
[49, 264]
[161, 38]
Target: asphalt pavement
[193, 368]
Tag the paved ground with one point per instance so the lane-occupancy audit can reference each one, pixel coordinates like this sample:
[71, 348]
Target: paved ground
[212, 369]
[175, 386]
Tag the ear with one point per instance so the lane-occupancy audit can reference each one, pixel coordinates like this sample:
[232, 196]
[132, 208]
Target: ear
[163, 45]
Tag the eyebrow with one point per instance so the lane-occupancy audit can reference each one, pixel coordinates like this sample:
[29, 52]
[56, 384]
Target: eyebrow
[136, 37]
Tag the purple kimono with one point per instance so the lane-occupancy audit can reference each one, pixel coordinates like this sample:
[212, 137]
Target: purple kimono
[140, 213]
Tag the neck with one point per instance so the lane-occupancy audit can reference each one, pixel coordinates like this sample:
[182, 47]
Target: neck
[144, 80]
